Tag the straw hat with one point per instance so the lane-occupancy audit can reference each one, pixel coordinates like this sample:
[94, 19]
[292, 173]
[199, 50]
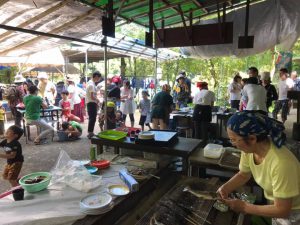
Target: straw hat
[19, 78]
[42, 75]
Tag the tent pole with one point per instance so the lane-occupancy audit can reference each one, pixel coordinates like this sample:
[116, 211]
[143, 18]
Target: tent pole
[156, 64]
[86, 65]
[104, 42]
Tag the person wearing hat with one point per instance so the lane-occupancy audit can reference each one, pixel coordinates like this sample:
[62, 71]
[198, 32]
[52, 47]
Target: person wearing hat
[202, 116]
[270, 88]
[145, 108]
[75, 99]
[110, 118]
[181, 92]
[161, 108]
[47, 89]
[15, 96]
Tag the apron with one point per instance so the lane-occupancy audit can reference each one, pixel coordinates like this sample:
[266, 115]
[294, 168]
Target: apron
[202, 113]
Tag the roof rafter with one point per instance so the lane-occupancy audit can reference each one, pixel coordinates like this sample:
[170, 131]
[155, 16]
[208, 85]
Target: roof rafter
[200, 6]
[55, 30]
[2, 2]
[174, 8]
[36, 18]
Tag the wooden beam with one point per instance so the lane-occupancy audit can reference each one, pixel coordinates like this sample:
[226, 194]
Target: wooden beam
[199, 5]
[137, 3]
[36, 18]
[174, 8]
[55, 30]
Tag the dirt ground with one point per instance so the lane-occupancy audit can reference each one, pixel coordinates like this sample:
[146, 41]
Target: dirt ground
[43, 157]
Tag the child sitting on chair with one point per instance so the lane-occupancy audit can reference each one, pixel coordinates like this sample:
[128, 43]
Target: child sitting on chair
[65, 106]
[111, 117]
[72, 129]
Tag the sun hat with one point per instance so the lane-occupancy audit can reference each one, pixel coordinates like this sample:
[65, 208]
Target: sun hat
[180, 76]
[42, 75]
[111, 104]
[19, 78]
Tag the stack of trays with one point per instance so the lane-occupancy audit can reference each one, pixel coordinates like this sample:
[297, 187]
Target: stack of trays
[96, 204]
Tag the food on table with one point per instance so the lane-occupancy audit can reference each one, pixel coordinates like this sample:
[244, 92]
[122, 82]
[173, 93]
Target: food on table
[138, 171]
[208, 195]
[35, 180]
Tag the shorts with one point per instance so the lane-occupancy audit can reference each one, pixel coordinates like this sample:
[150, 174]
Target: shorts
[143, 120]
[12, 171]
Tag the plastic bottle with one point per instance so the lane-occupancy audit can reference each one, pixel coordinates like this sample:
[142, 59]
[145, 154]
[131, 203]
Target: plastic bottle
[93, 152]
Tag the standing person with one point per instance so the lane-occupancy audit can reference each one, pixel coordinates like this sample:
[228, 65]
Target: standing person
[47, 89]
[271, 164]
[296, 80]
[253, 72]
[60, 87]
[243, 102]
[128, 105]
[270, 88]
[2, 120]
[15, 96]
[234, 90]
[181, 92]
[33, 105]
[255, 95]
[284, 85]
[92, 102]
[161, 108]
[202, 116]
[65, 106]
[145, 108]
[13, 154]
[188, 83]
[75, 100]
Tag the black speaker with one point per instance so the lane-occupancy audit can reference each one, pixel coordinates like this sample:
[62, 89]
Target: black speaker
[108, 27]
[149, 39]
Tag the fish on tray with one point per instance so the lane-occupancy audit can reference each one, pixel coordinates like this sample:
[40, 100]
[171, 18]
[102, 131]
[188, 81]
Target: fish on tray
[206, 195]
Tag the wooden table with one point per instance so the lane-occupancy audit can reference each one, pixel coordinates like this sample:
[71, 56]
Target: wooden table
[183, 147]
[198, 160]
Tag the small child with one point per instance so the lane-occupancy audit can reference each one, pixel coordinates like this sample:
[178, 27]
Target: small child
[2, 119]
[72, 129]
[65, 105]
[119, 119]
[145, 107]
[13, 154]
[111, 117]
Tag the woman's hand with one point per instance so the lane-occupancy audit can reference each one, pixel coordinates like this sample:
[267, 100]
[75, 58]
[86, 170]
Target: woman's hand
[223, 192]
[236, 205]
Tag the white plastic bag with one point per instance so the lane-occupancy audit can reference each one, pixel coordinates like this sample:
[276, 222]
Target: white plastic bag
[73, 174]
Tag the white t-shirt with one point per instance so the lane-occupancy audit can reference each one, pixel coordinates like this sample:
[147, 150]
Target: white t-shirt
[75, 96]
[204, 97]
[91, 89]
[234, 90]
[283, 87]
[256, 97]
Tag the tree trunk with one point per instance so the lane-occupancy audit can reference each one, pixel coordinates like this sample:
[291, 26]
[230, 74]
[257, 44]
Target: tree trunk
[213, 73]
[122, 67]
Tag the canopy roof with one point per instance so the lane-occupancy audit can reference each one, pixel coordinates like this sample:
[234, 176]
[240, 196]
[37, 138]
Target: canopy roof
[171, 11]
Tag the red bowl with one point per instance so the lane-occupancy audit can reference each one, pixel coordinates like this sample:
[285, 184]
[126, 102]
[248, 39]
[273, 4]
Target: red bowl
[101, 164]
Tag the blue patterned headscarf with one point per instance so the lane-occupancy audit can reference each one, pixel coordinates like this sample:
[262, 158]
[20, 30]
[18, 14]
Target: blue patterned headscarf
[246, 123]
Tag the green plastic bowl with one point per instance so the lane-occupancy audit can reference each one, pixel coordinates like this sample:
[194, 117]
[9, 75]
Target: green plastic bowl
[37, 186]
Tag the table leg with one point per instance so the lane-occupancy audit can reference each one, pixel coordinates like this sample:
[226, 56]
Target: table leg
[57, 118]
[99, 149]
[185, 167]
[116, 150]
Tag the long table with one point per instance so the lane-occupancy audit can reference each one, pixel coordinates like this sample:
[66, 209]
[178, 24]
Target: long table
[183, 147]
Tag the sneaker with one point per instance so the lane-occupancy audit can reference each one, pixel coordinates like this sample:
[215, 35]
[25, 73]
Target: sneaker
[90, 135]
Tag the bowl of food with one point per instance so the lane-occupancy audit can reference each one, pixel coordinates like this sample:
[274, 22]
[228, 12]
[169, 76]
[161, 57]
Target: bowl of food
[35, 182]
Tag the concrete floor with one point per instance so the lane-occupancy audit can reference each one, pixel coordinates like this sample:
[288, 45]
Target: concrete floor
[43, 157]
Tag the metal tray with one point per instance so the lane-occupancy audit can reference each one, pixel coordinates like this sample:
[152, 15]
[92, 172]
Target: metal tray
[230, 159]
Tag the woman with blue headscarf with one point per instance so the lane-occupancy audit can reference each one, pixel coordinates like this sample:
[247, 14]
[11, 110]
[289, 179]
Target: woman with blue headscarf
[265, 158]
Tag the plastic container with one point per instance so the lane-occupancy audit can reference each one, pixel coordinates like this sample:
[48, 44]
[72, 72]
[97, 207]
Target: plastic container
[93, 152]
[112, 135]
[36, 186]
[213, 151]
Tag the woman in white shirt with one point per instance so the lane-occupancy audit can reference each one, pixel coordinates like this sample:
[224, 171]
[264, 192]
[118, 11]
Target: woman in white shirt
[203, 100]
[234, 90]
[128, 105]
[75, 100]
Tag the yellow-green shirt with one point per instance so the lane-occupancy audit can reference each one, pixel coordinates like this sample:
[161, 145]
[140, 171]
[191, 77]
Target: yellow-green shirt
[278, 174]
[2, 114]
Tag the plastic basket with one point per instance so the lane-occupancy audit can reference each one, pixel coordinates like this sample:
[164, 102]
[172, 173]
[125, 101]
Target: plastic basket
[112, 135]
[37, 186]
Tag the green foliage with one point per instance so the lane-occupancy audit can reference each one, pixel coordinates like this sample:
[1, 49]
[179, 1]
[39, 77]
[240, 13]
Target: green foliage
[7, 75]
